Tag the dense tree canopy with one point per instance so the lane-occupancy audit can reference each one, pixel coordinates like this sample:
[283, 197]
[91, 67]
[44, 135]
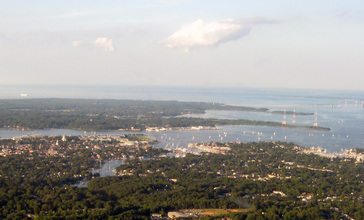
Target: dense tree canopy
[270, 180]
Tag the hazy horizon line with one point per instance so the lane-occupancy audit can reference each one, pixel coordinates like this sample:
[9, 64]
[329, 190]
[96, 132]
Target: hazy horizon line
[183, 87]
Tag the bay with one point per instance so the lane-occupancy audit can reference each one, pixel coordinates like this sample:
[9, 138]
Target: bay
[341, 111]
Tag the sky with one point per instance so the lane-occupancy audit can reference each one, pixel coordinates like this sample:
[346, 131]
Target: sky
[211, 43]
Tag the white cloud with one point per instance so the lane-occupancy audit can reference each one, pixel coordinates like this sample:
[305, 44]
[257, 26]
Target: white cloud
[203, 34]
[101, 42]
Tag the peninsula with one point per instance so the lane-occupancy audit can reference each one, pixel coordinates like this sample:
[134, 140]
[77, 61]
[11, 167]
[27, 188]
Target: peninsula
[105, 114]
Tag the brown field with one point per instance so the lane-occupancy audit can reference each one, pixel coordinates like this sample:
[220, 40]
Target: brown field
[214, 212]
[238, 210]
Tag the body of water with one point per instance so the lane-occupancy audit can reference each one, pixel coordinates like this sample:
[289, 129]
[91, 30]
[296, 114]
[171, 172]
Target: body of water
[341, 111]
[107, 169]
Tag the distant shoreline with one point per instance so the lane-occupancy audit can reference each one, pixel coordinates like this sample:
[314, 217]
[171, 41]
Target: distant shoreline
[123, 115]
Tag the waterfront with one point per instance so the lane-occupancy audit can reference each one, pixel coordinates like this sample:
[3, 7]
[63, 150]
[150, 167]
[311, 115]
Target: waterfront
[333, 140]
[341, 111]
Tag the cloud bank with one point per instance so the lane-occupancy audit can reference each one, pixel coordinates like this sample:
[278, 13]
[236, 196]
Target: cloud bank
[101, 42]
[203, 34]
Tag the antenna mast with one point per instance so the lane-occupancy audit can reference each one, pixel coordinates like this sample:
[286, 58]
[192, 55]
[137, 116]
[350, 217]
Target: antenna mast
[315, 124]
[294, 116]
[284, 118]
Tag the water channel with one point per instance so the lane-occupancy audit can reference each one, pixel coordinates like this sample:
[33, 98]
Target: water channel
[107, 169]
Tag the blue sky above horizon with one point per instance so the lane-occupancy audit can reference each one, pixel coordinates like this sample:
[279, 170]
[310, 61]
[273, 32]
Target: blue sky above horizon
[275, 44]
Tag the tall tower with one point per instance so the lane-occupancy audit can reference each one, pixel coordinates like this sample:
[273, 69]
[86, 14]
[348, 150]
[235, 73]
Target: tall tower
[284, 118]
[315, 124]
[294, 117]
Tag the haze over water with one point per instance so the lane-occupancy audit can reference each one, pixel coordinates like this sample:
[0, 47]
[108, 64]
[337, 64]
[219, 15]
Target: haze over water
[341, 111]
